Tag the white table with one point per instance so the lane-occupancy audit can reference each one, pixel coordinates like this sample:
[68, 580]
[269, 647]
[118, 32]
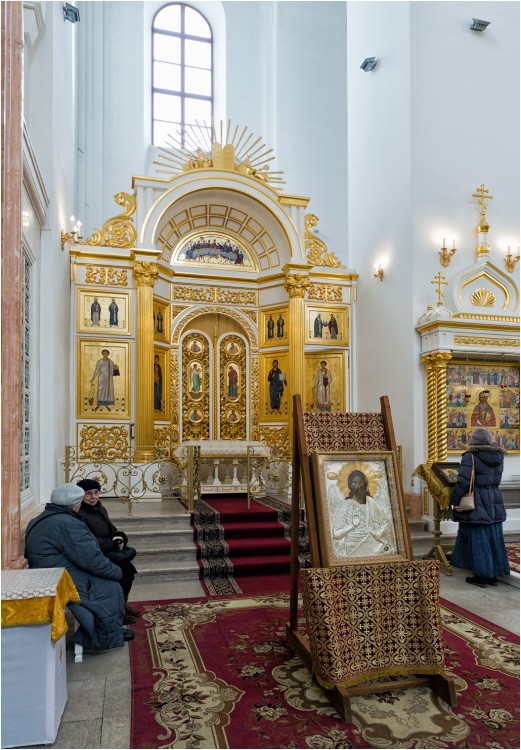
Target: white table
[34, 676]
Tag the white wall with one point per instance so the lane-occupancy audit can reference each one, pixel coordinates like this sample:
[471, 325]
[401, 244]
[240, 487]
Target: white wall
[50, 115]
[435, 119]
[282, 75]
[379, 208]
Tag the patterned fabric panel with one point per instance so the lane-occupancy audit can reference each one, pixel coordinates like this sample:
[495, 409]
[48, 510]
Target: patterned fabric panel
[370, 621]
[343, 431]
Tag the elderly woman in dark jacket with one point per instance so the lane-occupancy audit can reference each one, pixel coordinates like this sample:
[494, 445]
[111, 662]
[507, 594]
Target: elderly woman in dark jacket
[59, 538]
[480, 545]
[113, 543]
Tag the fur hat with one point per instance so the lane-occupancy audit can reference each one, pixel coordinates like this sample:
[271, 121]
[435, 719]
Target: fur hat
[89, 484]
[481, 436]
[67, 494]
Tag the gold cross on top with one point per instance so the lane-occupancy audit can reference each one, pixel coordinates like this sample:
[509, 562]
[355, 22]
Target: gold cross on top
[481, 194]
[440, 280]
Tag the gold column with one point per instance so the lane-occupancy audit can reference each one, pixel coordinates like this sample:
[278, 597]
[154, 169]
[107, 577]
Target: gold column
[296, 285]
[441, 388]
[144, 273]
[432, 424]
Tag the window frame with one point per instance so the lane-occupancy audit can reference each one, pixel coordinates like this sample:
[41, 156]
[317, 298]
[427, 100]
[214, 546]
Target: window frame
[183, 36]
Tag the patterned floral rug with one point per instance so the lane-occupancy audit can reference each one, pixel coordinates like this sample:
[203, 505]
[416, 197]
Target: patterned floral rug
[513, 556]
[218, 673]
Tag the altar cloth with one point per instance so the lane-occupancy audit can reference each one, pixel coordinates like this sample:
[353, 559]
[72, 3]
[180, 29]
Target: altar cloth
[32, 597]
[232, 448]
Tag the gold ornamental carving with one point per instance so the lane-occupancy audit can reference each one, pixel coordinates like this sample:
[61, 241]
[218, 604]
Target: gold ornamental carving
[493, 318]
[223, 151]
[216, 295]
[145, 272]
[228, 311]
[233, 388]
[177, 310]
[103, 443]
[252, 314]
[119, 231]
[483, 298]
[440, 281]
[255, 395]
[325, 292]
[317, 252]
[162, 438]
[277, 438]
[106, 276]
[195, 379]
[296, 284]
[174, 397]
[477, 341]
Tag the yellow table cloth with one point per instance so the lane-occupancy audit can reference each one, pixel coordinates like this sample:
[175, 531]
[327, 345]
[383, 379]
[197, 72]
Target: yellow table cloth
[32, 597]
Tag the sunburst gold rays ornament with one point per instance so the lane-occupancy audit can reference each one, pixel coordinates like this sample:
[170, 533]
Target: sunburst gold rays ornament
[205, 149]
[372, 475]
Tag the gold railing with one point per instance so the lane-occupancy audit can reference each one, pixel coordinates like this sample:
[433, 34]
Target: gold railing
[129, 479]
[178, 475]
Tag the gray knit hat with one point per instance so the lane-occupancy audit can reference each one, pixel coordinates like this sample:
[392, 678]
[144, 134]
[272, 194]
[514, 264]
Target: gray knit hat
[67, 494]
[481, 436]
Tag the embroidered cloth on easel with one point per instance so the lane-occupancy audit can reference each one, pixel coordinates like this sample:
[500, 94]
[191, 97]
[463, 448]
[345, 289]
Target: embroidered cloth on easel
[344, 431]
[369, 621]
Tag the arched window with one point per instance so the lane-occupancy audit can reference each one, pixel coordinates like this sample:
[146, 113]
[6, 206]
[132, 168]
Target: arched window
[182, 76]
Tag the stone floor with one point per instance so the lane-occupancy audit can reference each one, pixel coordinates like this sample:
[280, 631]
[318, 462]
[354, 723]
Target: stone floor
[97, 714]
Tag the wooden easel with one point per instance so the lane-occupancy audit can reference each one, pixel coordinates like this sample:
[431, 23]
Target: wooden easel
[340, 697]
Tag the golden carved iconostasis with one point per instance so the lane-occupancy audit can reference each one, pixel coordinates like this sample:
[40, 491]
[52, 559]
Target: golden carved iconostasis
[227, 304]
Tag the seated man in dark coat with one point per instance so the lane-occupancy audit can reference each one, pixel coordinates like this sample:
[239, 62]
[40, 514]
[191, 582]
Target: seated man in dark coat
[113, 543]
[60, 538]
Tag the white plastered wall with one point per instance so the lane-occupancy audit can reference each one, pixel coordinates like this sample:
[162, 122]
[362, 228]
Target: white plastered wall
[436, 118]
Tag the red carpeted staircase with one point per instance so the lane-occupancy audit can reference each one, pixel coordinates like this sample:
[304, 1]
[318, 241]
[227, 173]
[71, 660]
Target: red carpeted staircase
[245, 550]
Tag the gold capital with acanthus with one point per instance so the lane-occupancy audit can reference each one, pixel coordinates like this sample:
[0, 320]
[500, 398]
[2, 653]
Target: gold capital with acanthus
[296, 284]
[145, 272]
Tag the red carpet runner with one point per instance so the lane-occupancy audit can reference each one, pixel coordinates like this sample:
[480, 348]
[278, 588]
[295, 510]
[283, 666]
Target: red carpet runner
[243, 550]
[218, 673]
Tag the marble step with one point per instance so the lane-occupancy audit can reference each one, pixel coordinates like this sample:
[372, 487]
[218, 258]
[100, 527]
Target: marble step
[157, 570]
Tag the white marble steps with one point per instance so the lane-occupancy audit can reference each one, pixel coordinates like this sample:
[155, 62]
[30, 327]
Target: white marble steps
[162, 534]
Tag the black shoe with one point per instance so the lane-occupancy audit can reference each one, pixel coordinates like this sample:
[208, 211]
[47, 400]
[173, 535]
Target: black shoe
[477, 581]
[132, 612]
[128, 619]
[128, 635]
[491, 581]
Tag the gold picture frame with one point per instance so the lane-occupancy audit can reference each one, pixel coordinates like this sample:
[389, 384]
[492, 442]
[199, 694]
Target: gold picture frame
[327, 325]
[103, 379]
[161, 383]
[274, 326]
[161, 310]
[274, 405]
[98, 312]
[360, 514]
[324, 385]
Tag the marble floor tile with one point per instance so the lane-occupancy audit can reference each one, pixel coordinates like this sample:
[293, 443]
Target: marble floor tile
[115, 732]
[79, 734]
[118, 692]
[85, 698]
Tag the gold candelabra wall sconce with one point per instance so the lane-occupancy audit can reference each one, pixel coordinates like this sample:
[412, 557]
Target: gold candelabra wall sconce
[379, 272]
[73, 237]
[510, 261]
[446, 254]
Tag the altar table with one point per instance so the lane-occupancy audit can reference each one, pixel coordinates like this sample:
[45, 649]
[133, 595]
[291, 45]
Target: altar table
[34, 676]
[213, 465]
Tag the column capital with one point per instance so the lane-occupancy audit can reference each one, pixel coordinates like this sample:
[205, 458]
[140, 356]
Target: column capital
[439, 359]
[296, 284]
[145, 272]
